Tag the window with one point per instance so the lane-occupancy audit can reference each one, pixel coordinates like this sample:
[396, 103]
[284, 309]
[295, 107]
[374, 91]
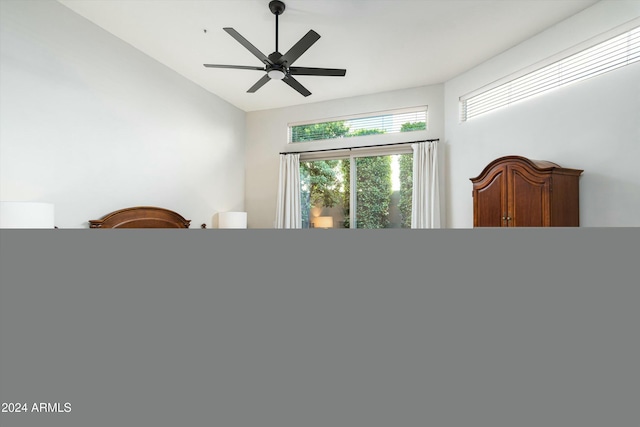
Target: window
[365, 124]
[606, 56]
[357, 191]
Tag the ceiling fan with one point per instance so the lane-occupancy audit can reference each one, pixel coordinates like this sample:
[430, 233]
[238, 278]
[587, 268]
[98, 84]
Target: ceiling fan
[278, 66]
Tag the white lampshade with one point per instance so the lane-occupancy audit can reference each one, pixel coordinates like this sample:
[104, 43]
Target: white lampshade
[323, 222]
[232, 220]
[26, 215]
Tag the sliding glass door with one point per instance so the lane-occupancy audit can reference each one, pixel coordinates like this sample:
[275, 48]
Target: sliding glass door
[358, 191]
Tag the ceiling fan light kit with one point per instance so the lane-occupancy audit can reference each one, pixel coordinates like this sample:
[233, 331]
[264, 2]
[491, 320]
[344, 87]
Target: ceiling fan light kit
[278, 66]
[276, 74]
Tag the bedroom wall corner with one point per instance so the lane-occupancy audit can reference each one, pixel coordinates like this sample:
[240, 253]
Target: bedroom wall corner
[92, 125]
[591, 125]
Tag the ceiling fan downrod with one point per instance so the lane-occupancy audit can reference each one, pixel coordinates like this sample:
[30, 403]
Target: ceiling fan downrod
[277, 8]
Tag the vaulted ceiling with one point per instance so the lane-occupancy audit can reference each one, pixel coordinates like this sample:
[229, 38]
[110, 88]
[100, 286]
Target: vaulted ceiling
[383, 44]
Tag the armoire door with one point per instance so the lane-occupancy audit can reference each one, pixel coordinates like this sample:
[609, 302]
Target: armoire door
[528, 198]
[490, 200]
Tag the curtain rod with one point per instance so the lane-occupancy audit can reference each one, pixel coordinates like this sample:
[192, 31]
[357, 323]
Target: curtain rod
[363, 146]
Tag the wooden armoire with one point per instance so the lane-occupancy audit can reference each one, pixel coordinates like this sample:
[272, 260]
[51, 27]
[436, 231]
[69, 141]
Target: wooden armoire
[514, 191]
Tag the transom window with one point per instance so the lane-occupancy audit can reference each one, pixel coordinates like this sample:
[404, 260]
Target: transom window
[385, 122]
[609, 55]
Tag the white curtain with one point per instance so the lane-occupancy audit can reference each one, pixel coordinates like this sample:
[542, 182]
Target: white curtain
[288, 213]
[425, 208]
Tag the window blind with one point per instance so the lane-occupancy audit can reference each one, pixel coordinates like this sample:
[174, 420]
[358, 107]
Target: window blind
[604, 57]
[365, 124]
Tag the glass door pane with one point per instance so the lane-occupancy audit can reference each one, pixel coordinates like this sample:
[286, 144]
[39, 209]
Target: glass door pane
[324, 201]
[383, 186]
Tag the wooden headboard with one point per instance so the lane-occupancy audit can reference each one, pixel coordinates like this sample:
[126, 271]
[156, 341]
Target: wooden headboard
[141, 217]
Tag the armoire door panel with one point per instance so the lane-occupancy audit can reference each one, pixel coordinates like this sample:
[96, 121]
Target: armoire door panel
[528, 199]
[490, 201]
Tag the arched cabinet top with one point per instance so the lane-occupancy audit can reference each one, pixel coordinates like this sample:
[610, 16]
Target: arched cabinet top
[537, 165]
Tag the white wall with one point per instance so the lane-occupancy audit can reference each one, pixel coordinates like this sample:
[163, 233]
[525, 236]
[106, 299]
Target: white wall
[267, 137]
[93, 125]
[593, 125]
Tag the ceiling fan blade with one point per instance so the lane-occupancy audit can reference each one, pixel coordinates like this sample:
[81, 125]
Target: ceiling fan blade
[236, 67]
[296, 85]
[259, 84]
[306, 71]
[244, 42]
[299, 48]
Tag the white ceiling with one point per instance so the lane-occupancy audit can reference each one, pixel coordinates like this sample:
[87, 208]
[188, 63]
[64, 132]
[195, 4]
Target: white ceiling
[384, 44]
